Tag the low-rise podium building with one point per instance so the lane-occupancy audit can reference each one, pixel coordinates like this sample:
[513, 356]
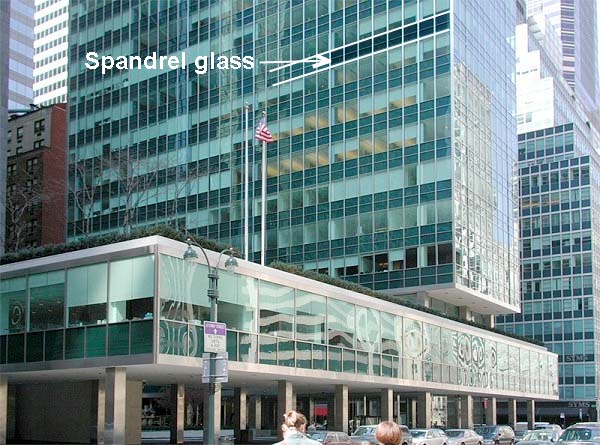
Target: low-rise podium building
[82, 331]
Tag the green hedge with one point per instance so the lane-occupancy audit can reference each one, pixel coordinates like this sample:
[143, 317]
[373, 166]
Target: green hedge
[177, 235]
[101, 240]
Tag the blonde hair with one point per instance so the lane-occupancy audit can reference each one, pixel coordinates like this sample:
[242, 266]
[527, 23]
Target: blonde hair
[388, 433]
[293, 419]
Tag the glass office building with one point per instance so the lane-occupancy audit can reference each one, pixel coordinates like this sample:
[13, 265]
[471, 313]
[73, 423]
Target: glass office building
[139, 306]
[391, 167]
[559, 192]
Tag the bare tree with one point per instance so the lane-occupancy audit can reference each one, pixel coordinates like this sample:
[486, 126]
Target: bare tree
[84, 181]
[22, 198]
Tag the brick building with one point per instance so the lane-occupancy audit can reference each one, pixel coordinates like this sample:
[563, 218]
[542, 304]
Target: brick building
[36, 178]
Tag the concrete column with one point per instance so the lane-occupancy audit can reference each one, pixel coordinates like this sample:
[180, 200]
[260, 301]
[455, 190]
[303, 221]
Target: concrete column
[466, 411]
[512, 412]
[464, 313]
[530, 414]
[284, 401]
[99, 415]
[490, 411]
[424, 410]
[177, 408]
[115, 406]
[387, 404]
[3, 409]
[217, 410]
[413, 413]
[133, 413]
[422, 299]
[240, 414]
[294, 399]
[257, 414]
[311, 410]
[489, 321]
[341, 408]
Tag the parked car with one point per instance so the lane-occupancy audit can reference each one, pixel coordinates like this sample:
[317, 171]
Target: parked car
[331, 438]
[519, 434]
[463, 437]
[366, 433]
[496, 434]
[540, 437]
[432, 436]
[585, 432]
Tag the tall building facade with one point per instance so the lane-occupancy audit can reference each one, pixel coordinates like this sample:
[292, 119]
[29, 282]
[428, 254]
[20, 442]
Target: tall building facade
[50, 46]
[392, 167]
[36, 178]
[559, 198]
[4, 51]
[576, 21]
[20, 61]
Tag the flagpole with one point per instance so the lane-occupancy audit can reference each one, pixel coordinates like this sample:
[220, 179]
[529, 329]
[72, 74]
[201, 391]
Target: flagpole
[263, 204]
[246, 180]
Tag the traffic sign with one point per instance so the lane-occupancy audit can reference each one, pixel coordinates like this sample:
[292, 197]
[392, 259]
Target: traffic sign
[215, 337]
[220, 369]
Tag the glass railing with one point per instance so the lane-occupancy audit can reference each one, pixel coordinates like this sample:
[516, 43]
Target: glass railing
[186, 339]
[104, 340]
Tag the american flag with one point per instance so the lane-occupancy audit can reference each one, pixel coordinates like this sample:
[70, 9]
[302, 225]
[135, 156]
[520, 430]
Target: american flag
[262, 132]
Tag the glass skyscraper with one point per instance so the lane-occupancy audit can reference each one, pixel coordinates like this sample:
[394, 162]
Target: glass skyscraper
[559, 192]
[392, 167]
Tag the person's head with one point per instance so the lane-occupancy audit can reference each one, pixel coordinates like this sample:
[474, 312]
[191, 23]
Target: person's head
[294, 419]
[388, 433]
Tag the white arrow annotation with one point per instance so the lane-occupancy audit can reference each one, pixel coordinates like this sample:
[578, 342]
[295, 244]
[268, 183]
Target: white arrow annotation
[317, 60]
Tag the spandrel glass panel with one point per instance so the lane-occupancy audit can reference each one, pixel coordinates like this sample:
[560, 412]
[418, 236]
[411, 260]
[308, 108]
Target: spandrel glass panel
[267, 350]
[238, 296]
[310, 317]
[131, 289]
[12, 305]
[183, 290]
[46, 300]
[74, 343]
[276, 309]
[340, 323]
[368, 337]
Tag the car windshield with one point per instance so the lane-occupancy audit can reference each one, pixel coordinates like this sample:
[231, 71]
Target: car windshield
[364, 430]
[537, 435]
[418, 433]
[454, 433]
[574, 434]
[318, 435]
[486, 432]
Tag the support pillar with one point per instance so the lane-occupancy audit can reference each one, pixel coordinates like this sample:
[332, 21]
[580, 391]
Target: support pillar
[133, 412]
[464, 313]
[491, 411]
[341, 408]
[100, 414]
[530, 414]
[387, 404]
[3, 409]
[311, 410]
[240, 413]
[284, 401]
[422, 299]
[413, 413]
[490, 321]
[257, 415]
[216, 427]
[115, 406]
[466, 411]
[177, 408]
[512, 412]
[424, 410]
[294, 399]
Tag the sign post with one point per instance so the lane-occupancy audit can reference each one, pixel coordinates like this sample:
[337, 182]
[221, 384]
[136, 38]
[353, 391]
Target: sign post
[215, 337]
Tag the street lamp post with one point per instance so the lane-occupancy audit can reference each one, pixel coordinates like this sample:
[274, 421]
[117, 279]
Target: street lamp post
[190, 254]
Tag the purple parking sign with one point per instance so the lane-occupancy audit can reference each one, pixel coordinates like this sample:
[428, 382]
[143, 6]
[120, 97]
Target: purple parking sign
[215, 337]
